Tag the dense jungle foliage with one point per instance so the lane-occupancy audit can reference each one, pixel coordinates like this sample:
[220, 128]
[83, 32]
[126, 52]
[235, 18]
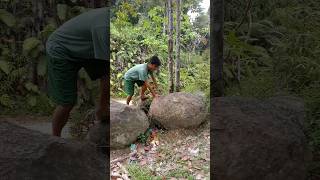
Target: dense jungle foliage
[139, 30]
[272, 48]
[25, 27]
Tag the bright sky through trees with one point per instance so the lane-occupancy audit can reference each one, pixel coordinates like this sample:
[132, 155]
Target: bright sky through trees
[204, 5]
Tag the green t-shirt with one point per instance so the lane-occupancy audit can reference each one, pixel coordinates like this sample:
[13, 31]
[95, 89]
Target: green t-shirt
[138, 72]
[82, 37]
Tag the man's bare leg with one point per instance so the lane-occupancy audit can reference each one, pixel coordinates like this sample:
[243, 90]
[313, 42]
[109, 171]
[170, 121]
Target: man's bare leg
[102, 106]
[129, 99]
[60, 118]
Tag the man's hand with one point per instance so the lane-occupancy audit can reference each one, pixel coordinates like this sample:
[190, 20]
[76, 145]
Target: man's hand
[154, 81]
[143, 97]
[156, 95]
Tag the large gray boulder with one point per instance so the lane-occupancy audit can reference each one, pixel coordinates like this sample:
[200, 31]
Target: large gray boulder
[126, 124]
[178, 110]
[28, 154]
[254, 139]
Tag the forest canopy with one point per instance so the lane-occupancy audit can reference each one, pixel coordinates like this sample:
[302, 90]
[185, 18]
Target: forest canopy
[129, 46]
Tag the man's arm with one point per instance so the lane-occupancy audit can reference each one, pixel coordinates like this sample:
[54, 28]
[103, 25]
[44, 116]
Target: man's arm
[102, 108]
[154, 94]
[154, 80]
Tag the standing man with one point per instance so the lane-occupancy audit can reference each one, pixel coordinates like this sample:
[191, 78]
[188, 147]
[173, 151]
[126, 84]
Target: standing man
[80, 42]
[139, 75]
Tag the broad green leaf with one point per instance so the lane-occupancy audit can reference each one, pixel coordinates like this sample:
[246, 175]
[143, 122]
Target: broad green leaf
[119, 75]
[5, 100]
[32, 101]
[7, 18]
[82, 74]
[162, 74]
[42, 66]
[62, 10]
[34, 53]
[47, 30]
[4, 66]
[29, 45]
[31, 87]
[5, 52]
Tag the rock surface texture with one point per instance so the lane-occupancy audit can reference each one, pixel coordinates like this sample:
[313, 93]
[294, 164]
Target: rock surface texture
[178, 110]
[256, 139]
[29, 154]
[126, 124]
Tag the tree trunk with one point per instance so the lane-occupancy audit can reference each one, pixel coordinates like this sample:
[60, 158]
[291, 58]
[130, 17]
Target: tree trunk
[178, 46]
[216, 48]
[165, 14]
[34, 31]
[170, 47]
[216, 63]
[238, 69]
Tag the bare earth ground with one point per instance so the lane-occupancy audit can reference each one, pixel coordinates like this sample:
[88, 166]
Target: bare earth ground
[38, 123]
[174, 154]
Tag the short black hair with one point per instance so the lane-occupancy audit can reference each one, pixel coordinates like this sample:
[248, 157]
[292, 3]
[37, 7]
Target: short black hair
[155, 60]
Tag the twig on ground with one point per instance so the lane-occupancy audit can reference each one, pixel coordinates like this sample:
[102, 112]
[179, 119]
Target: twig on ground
[125, 172]
[119, 159]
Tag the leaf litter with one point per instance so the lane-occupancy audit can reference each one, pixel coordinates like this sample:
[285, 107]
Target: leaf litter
[175, 154]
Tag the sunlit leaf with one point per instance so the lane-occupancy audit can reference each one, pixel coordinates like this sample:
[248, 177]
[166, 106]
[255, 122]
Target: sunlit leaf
[62, 10]
[32, 101]
[4, 66]
[30, 46]
[7, 18]
[5, 100]
[42, 66]
[31, 87]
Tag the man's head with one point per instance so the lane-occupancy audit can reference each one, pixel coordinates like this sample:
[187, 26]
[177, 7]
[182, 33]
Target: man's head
[154, 63]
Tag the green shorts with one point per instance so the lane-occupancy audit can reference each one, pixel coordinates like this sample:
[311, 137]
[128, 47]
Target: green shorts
[63, 76]
[129, 86]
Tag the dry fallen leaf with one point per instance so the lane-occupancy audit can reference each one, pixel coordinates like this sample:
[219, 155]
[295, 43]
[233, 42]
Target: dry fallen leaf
[189, 164]
[143, 162]
[194, 152]
[184, 158]
[199, 176]
[147, 148]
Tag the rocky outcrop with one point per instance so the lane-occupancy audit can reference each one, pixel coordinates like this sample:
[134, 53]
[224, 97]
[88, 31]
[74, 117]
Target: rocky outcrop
[126, 124]
[28, 154]
[178, 110]
[256, 139]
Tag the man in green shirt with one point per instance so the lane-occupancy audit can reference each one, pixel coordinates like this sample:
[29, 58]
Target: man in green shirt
[80, 42]
[139, 75]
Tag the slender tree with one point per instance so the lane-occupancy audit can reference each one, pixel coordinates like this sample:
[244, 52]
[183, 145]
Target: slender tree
[178, 46]
[216, 48]
[170, 47]
[216, 67]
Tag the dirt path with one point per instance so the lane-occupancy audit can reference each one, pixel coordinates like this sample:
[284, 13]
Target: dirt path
[38, 123]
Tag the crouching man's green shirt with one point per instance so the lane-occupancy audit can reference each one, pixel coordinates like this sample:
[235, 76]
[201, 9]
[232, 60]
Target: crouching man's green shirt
[82, 37]
[137, 73]
[81, 42]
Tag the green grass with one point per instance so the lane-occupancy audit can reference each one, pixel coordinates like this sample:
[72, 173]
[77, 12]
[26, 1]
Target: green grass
[141, 173]
[180, 173]
[41, 105]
